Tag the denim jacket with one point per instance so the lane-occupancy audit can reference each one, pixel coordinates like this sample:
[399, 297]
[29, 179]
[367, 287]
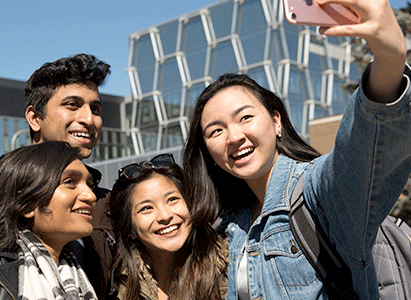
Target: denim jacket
[350, 190]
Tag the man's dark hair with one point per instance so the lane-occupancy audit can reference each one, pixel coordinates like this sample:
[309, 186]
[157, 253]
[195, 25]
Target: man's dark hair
[81, 68]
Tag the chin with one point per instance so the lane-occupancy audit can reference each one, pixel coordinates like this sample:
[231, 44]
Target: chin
[84, 153]
[85, 233]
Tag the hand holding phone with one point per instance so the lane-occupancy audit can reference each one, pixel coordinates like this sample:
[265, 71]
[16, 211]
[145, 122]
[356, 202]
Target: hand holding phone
[308, 12]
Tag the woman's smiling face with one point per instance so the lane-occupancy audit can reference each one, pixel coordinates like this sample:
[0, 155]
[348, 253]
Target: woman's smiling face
[68, 216]
[160, 215]
[240, 134]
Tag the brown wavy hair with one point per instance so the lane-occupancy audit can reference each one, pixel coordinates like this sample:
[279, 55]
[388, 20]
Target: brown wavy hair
[203, 258]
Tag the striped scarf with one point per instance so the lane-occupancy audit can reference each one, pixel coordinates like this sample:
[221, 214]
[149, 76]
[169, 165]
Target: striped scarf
[41, 279]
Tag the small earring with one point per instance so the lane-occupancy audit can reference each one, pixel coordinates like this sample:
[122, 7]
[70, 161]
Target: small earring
[279, 135]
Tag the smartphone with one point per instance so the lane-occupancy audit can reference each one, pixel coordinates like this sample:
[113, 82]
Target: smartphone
[308, 12]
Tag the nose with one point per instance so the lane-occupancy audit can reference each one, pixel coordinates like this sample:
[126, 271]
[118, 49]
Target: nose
[85, 115]
[88, 196]
[235, 134]
[164, 215]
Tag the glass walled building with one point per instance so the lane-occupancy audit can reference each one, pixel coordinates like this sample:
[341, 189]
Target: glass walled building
[171, 63]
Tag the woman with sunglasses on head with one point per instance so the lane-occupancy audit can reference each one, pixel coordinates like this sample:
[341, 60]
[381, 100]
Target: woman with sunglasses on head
[244, 155]
[166, 250]
[46, 201]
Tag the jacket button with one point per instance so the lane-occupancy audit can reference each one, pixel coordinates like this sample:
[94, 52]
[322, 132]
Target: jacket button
[294, 249]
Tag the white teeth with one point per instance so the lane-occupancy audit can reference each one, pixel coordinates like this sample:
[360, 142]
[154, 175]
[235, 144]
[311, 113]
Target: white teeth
[242, 152]
[81, 134]
[167, 230]
[83, 211]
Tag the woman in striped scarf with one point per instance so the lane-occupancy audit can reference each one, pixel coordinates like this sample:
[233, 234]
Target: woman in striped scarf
[46, 201]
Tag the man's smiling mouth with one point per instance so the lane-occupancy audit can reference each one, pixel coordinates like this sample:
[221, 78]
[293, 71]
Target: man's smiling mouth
[81, 134]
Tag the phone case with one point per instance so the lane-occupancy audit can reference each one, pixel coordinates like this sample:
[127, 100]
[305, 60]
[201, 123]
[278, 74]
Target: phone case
[308, 12]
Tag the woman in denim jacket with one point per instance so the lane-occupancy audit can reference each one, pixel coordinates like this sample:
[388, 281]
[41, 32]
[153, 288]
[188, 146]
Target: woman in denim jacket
[244, 156]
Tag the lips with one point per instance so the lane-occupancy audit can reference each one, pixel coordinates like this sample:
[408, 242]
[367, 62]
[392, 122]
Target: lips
[242, 153]
[168, 229]
[85, 138]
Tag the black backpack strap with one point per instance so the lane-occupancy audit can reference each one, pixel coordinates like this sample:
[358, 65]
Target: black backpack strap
[316, 246]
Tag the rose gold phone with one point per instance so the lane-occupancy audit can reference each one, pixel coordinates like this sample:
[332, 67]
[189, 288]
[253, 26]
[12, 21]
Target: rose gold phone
[308, 12]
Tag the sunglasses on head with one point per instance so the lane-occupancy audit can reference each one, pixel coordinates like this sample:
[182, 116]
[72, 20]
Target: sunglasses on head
[135, 169]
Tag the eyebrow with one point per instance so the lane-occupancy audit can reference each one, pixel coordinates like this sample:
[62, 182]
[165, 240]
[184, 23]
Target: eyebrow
[236, 112]
[172, 192]
[74, 97]
[142, 203]
[77, 174]
[72, 172]
[150, 201]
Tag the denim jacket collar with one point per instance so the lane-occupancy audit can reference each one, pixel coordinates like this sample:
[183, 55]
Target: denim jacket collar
[276, 197]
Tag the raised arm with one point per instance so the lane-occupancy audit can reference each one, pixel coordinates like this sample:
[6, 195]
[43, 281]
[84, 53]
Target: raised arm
[379, 27]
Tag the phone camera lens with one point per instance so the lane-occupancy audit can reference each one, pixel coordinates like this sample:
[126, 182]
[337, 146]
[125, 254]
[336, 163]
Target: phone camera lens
[293, 16]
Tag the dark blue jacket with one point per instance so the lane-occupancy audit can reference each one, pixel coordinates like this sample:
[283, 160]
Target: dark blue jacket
[9, 276]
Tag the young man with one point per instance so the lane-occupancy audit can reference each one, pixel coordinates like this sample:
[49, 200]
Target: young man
[63, 104]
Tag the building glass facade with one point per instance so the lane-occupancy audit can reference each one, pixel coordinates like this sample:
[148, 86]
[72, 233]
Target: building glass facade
[171, 63]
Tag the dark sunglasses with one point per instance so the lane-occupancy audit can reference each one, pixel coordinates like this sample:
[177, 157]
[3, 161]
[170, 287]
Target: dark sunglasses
[135, 169]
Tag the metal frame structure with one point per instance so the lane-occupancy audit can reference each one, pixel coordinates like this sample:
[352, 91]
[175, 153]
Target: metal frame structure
[150, 65]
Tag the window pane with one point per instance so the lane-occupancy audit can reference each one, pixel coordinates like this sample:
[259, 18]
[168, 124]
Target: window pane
[223, 60]
[296, 112]
[192, 96]
[168, 36]
[252, 17]
[172, 102]
[146, 113]
[253, 46]
[221, 16]
[292, 34]
[149, 137]
[196, 63]
[145, 53]
[169, 75]
[146, 78]
[145, 64]
[194, 36]
[276, 48]
[172, 136]
[259, 76]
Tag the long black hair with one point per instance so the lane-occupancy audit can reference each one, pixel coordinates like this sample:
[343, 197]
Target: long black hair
[202, 260]
[214, 187]
[28, 177]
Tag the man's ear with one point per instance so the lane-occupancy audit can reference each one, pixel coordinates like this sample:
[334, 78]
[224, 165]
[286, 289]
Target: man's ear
[29, 215]
[33, 119]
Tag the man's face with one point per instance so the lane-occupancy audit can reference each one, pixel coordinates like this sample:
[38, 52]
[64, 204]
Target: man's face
[72, 115]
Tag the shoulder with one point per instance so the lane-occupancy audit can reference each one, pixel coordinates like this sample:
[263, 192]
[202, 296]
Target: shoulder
[9, 272]
[101, 216]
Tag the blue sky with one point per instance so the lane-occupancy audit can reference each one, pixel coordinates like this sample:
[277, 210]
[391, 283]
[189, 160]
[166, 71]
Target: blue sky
[35, 32]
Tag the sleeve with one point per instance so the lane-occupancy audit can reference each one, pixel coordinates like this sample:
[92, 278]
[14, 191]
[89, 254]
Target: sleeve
[352, 188]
